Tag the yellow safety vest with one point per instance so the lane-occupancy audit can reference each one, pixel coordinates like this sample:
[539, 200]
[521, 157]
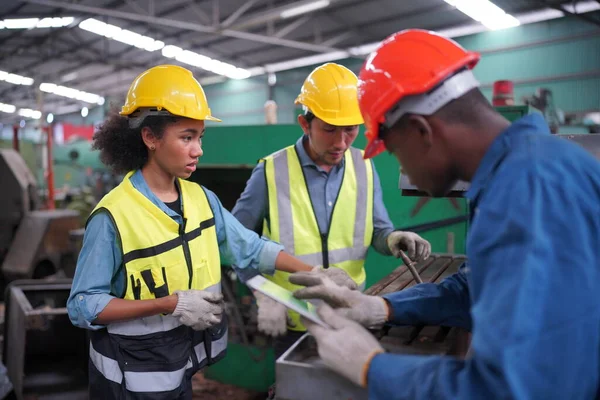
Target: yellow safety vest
[159, 255]
[292, 221]
[156, 356]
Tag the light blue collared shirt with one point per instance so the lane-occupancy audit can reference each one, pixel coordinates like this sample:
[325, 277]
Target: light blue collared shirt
[253, 205]
[99, 276]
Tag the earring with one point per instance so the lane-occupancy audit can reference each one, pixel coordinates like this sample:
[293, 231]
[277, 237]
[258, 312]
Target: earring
[152, 148]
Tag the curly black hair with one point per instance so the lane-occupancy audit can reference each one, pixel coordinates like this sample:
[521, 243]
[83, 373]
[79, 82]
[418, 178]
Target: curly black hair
[121, 147]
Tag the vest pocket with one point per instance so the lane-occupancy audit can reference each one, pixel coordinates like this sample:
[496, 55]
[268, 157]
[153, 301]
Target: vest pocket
[202, 277]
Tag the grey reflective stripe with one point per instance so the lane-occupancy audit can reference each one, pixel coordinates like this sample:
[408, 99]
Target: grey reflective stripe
[218, 346]
[160, 381]
[200, 352]
[153, 324]
[335, 256]
[358, 250]
[360, 170]
[108, 367]
[284, 205]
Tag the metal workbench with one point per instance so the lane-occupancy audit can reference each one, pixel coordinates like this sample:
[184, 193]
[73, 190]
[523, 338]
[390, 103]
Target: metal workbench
[301, 375]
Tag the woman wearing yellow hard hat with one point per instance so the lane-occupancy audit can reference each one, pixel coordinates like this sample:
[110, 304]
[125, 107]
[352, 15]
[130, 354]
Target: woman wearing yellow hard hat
[147, 283]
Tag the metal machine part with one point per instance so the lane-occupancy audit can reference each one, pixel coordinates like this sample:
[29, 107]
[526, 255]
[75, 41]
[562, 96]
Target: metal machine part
[302, 375]
[33, 243]
[43, 352]
[590, 142]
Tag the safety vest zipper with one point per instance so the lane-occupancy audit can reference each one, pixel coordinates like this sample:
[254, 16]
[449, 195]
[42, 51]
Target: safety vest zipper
[186, 251]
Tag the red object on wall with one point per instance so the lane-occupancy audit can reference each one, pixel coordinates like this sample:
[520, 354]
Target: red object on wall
[82, 131]
[503, 93]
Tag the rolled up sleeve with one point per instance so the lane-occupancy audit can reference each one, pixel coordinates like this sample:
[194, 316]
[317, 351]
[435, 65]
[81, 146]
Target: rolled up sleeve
[239, 246]
[98, 259]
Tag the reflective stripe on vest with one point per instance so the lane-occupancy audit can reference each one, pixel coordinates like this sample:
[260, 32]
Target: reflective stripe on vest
[145, 374]
[293, 224]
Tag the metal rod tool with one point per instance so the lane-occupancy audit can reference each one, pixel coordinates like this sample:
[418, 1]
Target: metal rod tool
[411, 267]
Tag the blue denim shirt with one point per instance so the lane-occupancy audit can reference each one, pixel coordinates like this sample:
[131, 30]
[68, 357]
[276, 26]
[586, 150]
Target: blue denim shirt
[99, 274]
[529, 290]
[253, 205]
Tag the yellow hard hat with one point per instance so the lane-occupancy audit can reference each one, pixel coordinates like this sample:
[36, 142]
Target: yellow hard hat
[330, 93]
[169, 87]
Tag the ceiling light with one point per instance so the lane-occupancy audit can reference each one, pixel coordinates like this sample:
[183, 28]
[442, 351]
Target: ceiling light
[71, 93]
[169, 51]
[305, 8]
[7, 108]
[84, 112]
[30, 23]
[49, 118]
[22, 123]
[485, 12]
[121, 35]
[29, 113]
[21, 23]
[15, 79]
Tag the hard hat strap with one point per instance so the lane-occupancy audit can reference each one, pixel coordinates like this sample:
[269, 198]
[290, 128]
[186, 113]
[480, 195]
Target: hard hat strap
[138, 116]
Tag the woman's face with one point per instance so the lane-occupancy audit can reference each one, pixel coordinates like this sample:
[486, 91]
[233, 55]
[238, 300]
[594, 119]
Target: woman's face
[180, 147]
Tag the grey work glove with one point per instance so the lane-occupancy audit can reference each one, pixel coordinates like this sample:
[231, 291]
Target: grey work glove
[369, 311]
[346, 347]
[416, 248]
[198, 309]
[272, 316]
[337, 275]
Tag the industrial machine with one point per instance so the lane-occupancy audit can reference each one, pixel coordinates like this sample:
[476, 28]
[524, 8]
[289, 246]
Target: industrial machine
[33, 243]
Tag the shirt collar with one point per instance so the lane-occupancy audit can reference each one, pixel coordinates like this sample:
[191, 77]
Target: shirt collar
[530, 124]
[305, 159]
[138, 182]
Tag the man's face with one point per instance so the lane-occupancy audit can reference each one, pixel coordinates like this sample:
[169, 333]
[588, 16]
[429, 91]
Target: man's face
[422, 154]
[180, 147]
[327, 143]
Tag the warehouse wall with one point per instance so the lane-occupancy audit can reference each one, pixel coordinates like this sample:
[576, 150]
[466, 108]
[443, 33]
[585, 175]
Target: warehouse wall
[561, 55]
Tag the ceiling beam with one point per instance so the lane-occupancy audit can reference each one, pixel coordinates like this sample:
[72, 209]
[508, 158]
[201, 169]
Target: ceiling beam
[185, 25]
[238, 13]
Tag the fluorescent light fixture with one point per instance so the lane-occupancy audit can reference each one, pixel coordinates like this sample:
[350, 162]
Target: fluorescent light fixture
[304, 8]
[169, 51]
[30, 23]
[21, 23]
[204, 62]
[71, 93]
[485, 12]
[29, 113]
[121, 35]
[15, 79]
[7, 108]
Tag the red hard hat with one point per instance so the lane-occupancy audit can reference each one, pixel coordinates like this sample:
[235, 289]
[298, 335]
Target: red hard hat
[407, 63]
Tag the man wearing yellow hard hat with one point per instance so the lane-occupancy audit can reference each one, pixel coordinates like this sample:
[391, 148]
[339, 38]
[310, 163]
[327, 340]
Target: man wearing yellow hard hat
[148, 278]
[320, 199]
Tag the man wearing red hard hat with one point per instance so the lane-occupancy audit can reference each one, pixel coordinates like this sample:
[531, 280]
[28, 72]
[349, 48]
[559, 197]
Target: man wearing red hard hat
[529, 291]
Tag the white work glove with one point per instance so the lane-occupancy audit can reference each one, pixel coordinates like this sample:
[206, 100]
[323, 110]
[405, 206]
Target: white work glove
[369, 311]
[347, 348]
[198, 309]
[416, 248]
[337, 275]
[272, 316]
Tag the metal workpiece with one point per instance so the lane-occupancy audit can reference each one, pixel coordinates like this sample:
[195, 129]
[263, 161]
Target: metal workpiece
[302, 375]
